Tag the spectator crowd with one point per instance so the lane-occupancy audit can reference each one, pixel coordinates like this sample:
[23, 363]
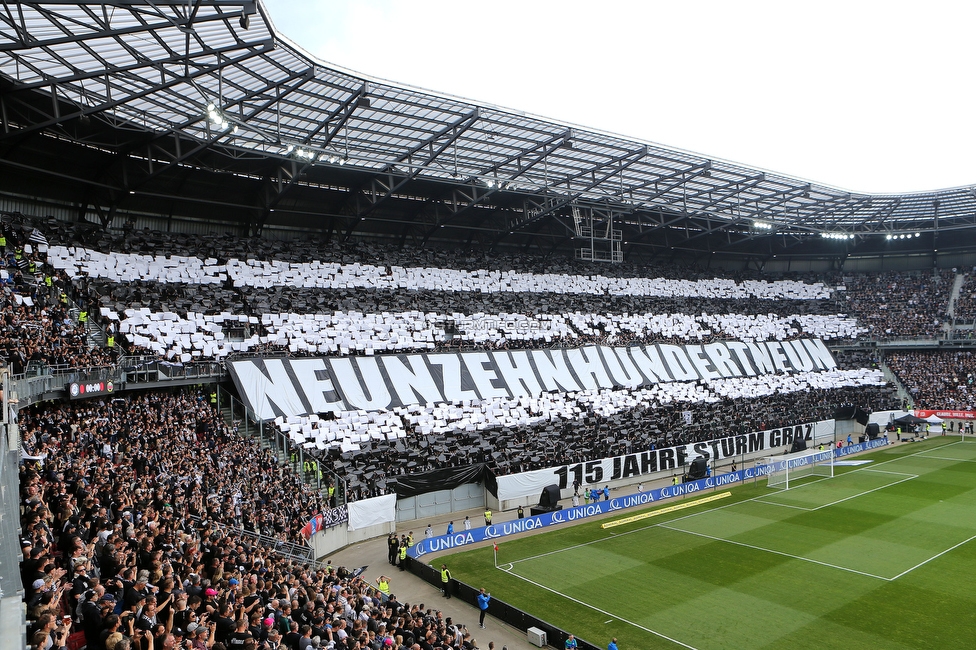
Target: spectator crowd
[123, 510]
[144, 513]
[937, 379]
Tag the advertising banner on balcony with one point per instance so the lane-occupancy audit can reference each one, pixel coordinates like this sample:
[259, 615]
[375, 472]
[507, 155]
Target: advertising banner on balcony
[675, 459]
[947, 414]
[273, 387]
[503, 529]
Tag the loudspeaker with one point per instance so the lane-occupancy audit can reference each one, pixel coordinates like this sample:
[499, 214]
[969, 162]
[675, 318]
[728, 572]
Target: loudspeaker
[549, 497]
[698, 469]
[799, 444]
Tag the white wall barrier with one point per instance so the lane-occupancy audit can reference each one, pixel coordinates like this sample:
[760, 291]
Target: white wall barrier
[524, 488]
[368, 518]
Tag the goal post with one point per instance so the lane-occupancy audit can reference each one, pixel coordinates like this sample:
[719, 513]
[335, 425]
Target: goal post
[782, 470]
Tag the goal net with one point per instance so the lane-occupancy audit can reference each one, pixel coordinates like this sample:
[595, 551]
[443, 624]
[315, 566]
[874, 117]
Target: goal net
[783, 470]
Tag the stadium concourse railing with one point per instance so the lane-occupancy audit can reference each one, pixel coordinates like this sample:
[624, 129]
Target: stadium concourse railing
[289, 550]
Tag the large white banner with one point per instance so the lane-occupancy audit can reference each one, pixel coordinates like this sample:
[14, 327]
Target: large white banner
[600, 472]
[369, 512]
[283, 387]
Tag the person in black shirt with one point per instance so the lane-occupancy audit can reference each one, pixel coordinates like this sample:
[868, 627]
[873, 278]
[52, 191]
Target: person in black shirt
[237, 638]
[92, 613]
[290, 640]
[225, 624]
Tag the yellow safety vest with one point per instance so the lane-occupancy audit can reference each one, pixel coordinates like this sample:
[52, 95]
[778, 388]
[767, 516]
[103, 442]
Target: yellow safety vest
[110, 342]
[487, 515]
[384, 587]
[49, 281]
[403, 552]
[83, 317]
[3, 240]
[445, 576]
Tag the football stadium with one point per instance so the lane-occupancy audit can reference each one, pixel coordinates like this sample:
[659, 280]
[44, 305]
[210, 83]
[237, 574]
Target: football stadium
[269, 323]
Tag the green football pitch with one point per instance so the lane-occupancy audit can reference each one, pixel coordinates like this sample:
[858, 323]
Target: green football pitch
[882, 555]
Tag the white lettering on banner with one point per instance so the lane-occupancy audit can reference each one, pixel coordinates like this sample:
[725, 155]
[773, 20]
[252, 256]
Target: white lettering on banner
[451, 363]
[484, 378]
[314, 379]
[552, 370]
[286, 387]
[648, 361]
[722, 360]
[268, 395]
[621, 367]
[599, 472]
[411, 379]
[821, 356]
[678, 362]
[589, 368]
[517, 372]
[740, 350]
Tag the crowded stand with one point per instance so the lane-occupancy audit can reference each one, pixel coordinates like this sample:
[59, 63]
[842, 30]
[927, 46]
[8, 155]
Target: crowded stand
[936, 379]
[524, 434]
[195, 300]
[35, 320]
[122, 547]
[148, 503]
[965, 308]
[899, 304]
[187, 334]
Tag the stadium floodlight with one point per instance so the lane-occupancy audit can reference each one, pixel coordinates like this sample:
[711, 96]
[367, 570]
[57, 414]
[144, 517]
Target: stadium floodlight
[781, 470]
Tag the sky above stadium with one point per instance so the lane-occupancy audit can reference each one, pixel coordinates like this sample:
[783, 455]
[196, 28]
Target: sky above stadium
[865, 96]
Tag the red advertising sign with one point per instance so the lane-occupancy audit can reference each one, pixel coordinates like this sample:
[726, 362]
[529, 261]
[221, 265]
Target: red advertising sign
[947, 415]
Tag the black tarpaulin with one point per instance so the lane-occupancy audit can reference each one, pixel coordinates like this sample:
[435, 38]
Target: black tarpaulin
[448, 478]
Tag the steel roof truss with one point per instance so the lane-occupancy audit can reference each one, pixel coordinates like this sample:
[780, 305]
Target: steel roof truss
[112, 103]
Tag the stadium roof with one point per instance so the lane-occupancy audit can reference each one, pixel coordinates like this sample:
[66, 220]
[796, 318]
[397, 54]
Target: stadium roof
[202, 102]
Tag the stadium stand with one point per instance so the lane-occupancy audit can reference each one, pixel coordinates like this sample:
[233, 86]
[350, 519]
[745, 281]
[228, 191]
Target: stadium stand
[151, 520]
[937, 379]
[113, 522]
[899, 305]
[157, 316]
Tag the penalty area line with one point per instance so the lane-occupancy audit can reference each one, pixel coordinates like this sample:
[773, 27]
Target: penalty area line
[602, 611]
[775, 552]
[936, 556]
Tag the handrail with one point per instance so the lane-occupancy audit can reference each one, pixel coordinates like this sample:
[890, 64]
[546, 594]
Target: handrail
[290, 550]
